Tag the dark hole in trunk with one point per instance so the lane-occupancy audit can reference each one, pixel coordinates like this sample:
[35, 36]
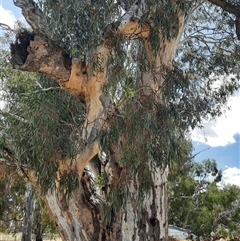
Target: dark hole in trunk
[18, 49]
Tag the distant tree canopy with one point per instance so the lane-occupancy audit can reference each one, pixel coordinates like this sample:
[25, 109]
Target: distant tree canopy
[13, 205]
[198, 202]
[12, 191]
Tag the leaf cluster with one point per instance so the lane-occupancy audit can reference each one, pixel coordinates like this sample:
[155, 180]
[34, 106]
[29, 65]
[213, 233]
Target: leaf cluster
[147, 136]
[12, 190]
[201, 205]
[40, 124]
[78, 26]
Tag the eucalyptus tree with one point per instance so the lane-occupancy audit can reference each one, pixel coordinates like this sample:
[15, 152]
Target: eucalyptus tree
[12, 190]
[199, 202]
[141, 74]
[21, 210]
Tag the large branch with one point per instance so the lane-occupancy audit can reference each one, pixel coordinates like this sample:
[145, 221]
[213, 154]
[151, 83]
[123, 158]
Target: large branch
[35, 54]
[82, 159]
[33, 15]
[230, 8]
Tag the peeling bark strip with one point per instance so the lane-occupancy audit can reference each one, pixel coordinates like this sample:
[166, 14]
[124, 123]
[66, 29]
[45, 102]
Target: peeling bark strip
[30, 201]
[152, 223]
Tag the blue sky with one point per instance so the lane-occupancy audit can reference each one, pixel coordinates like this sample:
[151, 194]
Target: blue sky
[224, 155]
[8, 5]
[221, 136]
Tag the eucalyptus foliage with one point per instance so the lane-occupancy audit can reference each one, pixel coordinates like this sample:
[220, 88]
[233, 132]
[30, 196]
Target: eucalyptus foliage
[39, 123]
[45, 123]
[207, 50]
[12, 189]
[198, 201]
[80, 26]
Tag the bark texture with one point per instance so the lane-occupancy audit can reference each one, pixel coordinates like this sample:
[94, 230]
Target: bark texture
[30, 200]
[82, 217]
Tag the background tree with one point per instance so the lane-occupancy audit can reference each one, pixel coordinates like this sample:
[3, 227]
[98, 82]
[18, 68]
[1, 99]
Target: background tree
[30, 201]
[200, 204]
[140, 74]
[14, 204]
[43, 224]
[12, 190]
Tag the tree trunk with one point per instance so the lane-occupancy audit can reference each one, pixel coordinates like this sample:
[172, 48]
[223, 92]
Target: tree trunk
[82, 217]
[29, 212]
[38, 227]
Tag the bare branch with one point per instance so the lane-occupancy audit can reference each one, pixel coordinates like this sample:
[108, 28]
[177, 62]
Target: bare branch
[91, 150]
[47, 89]
[6, 27]
[7, 114]
[194, 8]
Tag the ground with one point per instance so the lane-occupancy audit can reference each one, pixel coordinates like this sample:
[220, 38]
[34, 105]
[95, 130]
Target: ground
[17, 237]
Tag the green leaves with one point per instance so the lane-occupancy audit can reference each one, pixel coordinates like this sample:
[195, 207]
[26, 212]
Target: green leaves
[148, 130]
[12, 190]
[200, 205]
[41, 125]
[78, 26]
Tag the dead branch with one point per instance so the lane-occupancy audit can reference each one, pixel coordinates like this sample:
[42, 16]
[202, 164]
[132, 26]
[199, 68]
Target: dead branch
[5, 27]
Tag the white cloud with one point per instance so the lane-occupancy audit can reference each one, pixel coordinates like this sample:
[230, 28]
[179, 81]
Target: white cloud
[7, 17]
[231, 176]
[220, 132]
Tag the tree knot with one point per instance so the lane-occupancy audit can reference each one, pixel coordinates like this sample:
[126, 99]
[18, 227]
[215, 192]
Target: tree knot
[153, 221]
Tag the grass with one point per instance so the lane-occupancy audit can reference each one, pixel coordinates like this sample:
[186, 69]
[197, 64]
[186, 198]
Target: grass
[18, 236]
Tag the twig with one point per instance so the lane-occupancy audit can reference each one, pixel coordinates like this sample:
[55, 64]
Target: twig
[6, 27]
